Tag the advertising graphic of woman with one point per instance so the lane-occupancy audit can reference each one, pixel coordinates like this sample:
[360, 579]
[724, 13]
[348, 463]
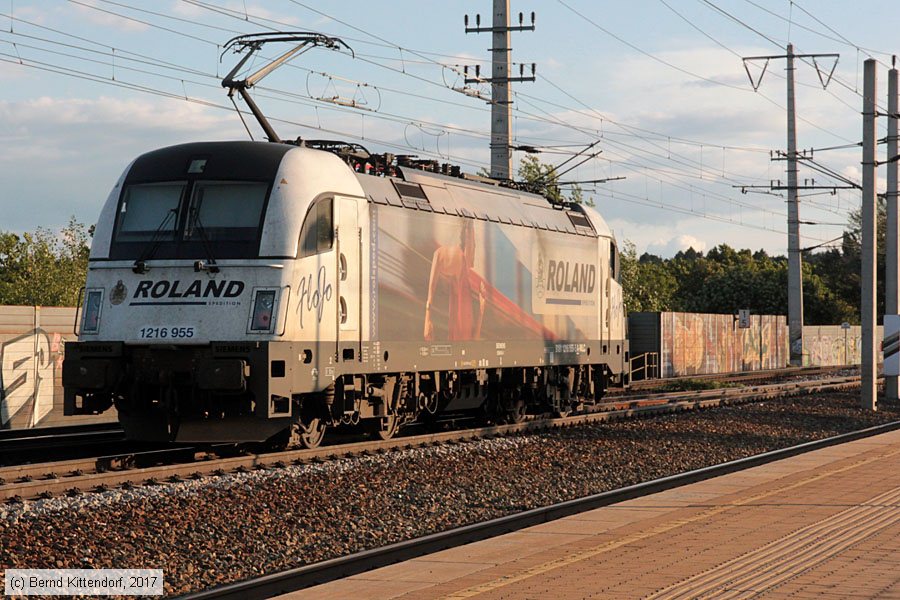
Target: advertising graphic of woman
[452, 264]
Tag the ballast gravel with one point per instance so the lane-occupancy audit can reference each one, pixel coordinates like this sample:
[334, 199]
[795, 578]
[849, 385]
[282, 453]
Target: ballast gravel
[223, 529]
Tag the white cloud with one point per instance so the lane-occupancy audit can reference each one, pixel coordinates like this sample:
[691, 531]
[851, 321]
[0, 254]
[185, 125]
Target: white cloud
[241, 10]
[658, 233]
[30, 13]
[46, 113]
[852, 172]
[59, 157]
[676, 244]
[95, 14]
[11, 70]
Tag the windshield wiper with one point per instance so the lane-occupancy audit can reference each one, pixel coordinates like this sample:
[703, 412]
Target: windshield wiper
[210, 264]
[140, 265]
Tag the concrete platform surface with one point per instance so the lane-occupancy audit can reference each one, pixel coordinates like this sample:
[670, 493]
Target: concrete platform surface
[824, 525]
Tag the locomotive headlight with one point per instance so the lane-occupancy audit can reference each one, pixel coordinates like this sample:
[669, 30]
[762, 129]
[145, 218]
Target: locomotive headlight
[93, 303]
[262, 315]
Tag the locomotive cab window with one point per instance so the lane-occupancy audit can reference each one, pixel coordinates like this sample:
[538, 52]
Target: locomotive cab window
[613, 262]
[189, 219]
[149, 211]
[225, 210]
[317, 233]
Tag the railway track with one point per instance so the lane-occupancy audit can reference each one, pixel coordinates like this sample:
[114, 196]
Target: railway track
[79, 476]
[107, 442]
[24, 445]
[14, 439]
[745, 377]
[346, 566]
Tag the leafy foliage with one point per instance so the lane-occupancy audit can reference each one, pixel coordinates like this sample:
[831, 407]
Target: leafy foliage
[545, 180]
[648, 285]
[727, 280]
[43, 268]
[844, 266]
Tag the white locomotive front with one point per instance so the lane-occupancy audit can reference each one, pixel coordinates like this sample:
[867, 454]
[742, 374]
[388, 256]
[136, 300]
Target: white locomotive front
[250, 291]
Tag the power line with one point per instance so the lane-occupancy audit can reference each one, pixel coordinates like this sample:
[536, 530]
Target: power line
[83, 75]
[234, 14]
[690, 73]
[289, 94]
[840, 37]
[780, 44]
[648, 54]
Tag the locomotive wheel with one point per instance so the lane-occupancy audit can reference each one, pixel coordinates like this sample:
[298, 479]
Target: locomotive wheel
[515, 413]
[390, 429]
[312, 433]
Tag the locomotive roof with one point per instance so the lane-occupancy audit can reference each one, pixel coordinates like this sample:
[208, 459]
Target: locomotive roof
[414, 189]
[421, 190]
[233, 160]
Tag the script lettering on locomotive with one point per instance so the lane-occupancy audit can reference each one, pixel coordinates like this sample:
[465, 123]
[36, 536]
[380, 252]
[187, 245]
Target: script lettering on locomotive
[166, 291]
[314, 298]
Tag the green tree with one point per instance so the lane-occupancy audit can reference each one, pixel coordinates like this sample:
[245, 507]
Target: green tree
[726, 280]
[43, 268]
[647, 285]
[841, 270]
[838, 270]
[543, 179]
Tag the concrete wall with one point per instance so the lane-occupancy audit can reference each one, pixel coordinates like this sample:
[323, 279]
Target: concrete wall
[696, 344]
[32, 340]
[825, 345]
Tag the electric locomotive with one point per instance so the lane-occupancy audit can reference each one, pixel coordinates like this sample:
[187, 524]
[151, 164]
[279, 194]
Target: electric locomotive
[265, 291]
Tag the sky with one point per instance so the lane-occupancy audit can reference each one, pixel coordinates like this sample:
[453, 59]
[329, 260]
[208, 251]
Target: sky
[88, 85]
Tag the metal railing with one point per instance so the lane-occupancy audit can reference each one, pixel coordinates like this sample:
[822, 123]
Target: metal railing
[644, 366]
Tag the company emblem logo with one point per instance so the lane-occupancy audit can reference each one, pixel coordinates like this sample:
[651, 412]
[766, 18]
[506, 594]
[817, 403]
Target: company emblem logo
[118, 293]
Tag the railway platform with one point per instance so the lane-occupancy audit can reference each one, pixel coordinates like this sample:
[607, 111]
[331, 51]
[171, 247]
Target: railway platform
[821, 525]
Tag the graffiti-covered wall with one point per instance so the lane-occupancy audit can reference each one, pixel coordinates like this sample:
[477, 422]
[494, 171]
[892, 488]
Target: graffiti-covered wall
[32, 340]
[698, 344]
[826, 345]
[693, 344]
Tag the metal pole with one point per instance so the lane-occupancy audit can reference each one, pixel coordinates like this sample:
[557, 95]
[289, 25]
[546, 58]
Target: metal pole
[867, 310]
[501, 109]
[892, 268]
[795, 266]
[761, 367]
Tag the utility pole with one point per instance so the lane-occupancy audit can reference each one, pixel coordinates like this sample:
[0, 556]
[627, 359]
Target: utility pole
[892, 264]
[868, 362]
[500, 80]
[795, 263]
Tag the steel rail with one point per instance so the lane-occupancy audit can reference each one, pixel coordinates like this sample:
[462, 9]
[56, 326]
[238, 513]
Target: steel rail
[38, 432]
[23, 445]
[99, 474]
[16, 443]
[760, 375]
[42, 437]
[346, 566]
